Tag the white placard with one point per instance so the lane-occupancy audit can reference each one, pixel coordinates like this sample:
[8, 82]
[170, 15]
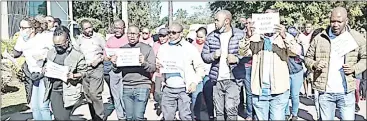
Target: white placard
[171, 62]
[112, 51]
[265, 22]
[57, 71]
[343, 44]
[128, 57]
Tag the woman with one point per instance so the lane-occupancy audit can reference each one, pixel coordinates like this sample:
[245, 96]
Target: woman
[205, 86]
[34, 44]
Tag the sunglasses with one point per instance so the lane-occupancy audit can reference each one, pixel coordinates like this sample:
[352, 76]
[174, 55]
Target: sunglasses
[162, 35]
[173, 32]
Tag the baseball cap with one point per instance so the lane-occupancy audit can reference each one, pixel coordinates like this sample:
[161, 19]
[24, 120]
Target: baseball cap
[163, 31]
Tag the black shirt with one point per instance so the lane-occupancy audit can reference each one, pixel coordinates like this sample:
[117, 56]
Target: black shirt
[57, 83]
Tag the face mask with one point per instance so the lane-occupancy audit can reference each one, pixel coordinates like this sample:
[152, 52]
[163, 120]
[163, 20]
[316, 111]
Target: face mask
[221, 30]
[60, 50]
[24, 35]
[53, 29]
[199, 42]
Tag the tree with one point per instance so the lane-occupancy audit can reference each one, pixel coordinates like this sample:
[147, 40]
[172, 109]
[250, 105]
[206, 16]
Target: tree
[181, 16]
[155, 12]
[202, 15]
[297, 12]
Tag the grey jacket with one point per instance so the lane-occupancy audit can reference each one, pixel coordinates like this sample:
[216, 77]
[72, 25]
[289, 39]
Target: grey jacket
[72, 90]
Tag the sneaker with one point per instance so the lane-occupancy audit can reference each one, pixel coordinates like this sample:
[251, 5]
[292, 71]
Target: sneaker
[357, 108]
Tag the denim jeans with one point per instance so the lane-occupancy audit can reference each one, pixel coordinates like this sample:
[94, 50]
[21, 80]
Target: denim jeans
[274, 106]
[135, 100]
[194, 95]
[247, 92]
[344, 102]
[296, 81]
[116, 90]
[40, 109]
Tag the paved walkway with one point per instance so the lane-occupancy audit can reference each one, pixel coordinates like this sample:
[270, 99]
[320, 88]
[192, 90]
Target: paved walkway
[306, 111]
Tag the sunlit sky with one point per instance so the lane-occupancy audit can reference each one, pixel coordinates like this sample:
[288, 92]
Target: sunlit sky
[180, 5]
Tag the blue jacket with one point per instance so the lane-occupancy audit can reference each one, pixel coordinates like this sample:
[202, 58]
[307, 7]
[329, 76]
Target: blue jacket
[212, 44]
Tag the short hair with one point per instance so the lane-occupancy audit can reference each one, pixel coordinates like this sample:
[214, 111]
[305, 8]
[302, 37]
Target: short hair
[119, 20]
[273, 9]
[227, 13]
[57, 20]
[84, 21]
[178, 25]
[202, 29]
[50, 16]
[308, 22]
[62, 30]
[40, 18]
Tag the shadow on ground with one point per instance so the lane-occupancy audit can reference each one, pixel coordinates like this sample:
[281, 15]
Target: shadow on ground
[14, 108]
[9, 89]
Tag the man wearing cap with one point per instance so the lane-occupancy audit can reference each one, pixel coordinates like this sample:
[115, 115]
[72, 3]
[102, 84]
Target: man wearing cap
[157, 77]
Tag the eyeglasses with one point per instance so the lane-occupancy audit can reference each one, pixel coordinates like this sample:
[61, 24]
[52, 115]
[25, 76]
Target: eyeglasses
[60, 45]
[162, 35]
[22, 28]
[173, 32]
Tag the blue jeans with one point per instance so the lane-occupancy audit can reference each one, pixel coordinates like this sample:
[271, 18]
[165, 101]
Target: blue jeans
[344, 102]
[248, 94]
[40, 109]
[296, 81]
[274, 106]
[135, 100]
[194, 95]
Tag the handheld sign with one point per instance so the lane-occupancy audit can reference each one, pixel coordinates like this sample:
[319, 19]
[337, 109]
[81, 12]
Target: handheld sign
[265, 22]
[128, 57]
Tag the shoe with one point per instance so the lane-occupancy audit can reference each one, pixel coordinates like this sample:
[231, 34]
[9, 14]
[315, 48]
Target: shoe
[287, 118]
[248, 119]
[357, 108]
[294, 118]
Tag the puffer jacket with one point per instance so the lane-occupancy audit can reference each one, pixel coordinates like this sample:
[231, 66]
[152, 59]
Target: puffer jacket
[213, 43]
[320, 51]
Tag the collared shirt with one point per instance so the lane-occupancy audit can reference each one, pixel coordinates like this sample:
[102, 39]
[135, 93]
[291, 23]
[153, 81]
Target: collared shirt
[91, 47]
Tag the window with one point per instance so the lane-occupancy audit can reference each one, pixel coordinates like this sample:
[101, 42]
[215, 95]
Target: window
[37, 7]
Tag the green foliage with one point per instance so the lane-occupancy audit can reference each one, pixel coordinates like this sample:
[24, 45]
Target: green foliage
[202, 15]
[144, 14]
[297, 12]
[98, 10]
[97, 24]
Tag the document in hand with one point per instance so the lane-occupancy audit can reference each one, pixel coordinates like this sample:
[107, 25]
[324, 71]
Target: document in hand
[128, 57]
[54, 70]
[265, 22]
[171, 64]
[343, 44]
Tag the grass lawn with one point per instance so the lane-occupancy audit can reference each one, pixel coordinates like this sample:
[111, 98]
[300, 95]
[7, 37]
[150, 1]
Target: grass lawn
[12, 102]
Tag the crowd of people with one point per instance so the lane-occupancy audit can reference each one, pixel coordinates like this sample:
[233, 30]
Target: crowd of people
[269, 68]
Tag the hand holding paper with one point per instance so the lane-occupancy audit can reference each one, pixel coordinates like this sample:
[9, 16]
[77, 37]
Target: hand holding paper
[281, 30]
[56, 71]
[141, 58]
[348, 69]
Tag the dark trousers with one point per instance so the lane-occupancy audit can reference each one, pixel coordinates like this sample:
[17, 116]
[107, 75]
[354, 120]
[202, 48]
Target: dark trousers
[93, 88]
[158, 90]
[60, 112]
[363, 88]
[107, 79]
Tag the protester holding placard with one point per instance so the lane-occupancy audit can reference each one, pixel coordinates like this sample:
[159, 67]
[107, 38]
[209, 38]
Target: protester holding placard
[64, 94]
[183, 69]
[270, 74]
[114, 80]
[335, 66]
[92, 45]
[221, 49]
[136, 79]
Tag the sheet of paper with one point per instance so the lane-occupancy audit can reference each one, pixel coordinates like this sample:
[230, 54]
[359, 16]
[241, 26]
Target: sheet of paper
[8, 56]
[171, 63]
[265, 22]
[112, 51]
[128, 57]
[57, 71]
[343, 44]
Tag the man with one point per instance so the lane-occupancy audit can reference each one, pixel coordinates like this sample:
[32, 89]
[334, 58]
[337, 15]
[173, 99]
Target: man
[57, 22]
[270, 74]
[146, 38]
[114, 79]
[305, 40]
[157, 77]
[92, 46]
[334, 73]
[221, 50]
[136, 79]
[249, 27]
[64, 94]
[50, 23]
[178, 85]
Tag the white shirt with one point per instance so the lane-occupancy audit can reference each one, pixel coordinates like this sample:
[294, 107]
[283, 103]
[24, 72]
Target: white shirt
[335, 80]
[91, 47]
[224, 70]
[35, 50]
